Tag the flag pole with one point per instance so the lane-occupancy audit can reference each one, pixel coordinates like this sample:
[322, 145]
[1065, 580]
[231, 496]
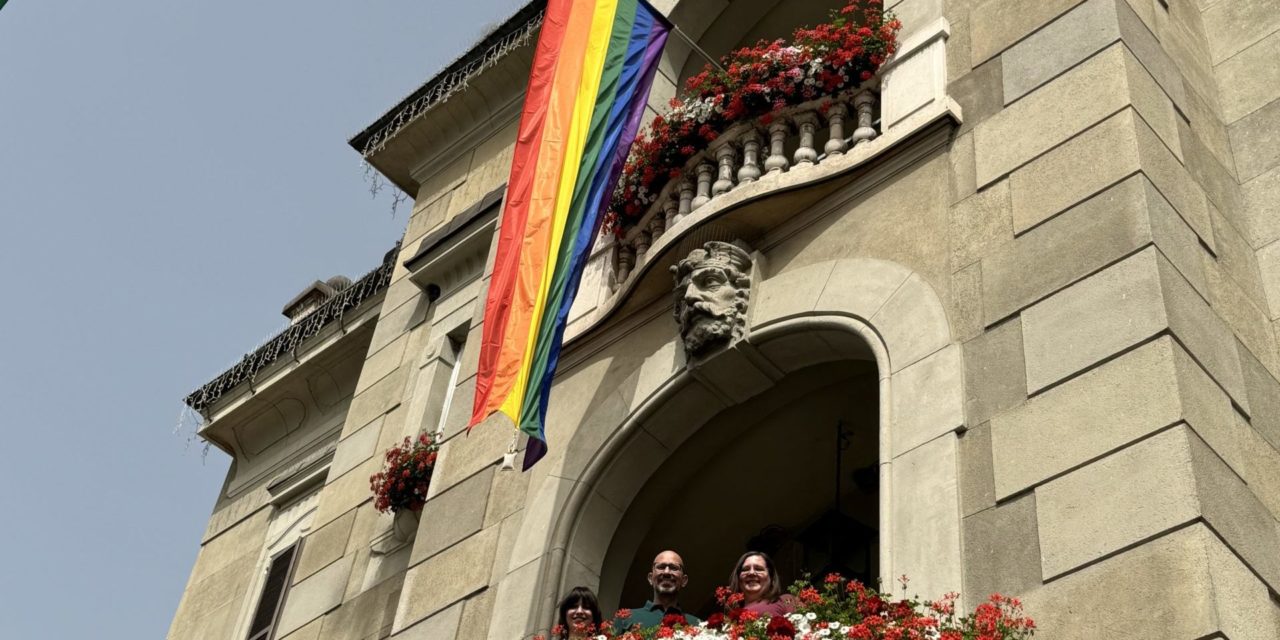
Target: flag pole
[693, 45]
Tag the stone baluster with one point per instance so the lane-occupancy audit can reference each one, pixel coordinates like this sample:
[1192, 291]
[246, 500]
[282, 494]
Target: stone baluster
[836, 144]
[807, 122]
[777, 160]
[642, 241]
[726, 155]
[862, 105]
[750, 170]
[670, 211]
[657, 226]
[626, 260]
[686, 197]
[704, 184]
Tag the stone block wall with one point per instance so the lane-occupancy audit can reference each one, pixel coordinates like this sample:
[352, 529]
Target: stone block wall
[1111, 276]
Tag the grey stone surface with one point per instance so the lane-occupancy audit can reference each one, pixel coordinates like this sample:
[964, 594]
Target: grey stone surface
[1173, 181]
[476, 612]
[1230, 27]
[212, 604]
[1147, 48]
[912, 323]
[1074, 171]
[447, 578]
[1261, 466]
[1249, 79]
[1058, 46]
[466, 454]
[1176, 240]
[962, 178]
[927, 400]
[1238, 260]
[367, 615]
[1246, 319]
[246, 537]
[925, 518]
[1002, 549]
[506, 496]
[441, 626]
[356, 448]
[789, 293]
[980, 223]
[861, 287]
[995, 376]
[1083, 418]
[1157, 591]
[1052, 114]
[977, 480]
[1122, 499]
[1268, 259]
[996, 24]
[979, 93]
[324, 546]
[1261, 199]
[1252, 140]
[452, 515]
[378, 399]
[1089, 321]
[1244, 604]
[1203, 121]
[1083, 239]
[1202, 330]
[966, 302]
[346, 492]
[1237, 515]
[315, 596]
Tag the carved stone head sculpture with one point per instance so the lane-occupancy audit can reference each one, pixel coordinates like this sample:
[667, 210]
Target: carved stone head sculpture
[713, 285]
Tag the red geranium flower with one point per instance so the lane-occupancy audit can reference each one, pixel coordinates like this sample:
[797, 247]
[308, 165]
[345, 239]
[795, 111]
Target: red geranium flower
[780, 626]
[715, 620]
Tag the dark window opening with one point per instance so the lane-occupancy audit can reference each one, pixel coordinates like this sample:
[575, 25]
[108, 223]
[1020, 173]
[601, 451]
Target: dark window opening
[273, 594]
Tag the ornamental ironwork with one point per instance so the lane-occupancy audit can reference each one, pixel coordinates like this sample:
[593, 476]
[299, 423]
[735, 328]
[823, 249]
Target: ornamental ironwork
[286, 342]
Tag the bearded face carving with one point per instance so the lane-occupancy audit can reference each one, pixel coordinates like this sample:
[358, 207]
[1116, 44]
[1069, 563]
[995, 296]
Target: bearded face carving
[713, 286]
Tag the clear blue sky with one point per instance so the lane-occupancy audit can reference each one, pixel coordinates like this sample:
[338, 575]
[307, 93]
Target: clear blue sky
[171, 173]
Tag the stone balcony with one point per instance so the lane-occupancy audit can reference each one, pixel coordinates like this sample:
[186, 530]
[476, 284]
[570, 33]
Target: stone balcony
[734, 185]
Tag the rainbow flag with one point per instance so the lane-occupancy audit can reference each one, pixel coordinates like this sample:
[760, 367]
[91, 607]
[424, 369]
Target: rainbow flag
[591, 76]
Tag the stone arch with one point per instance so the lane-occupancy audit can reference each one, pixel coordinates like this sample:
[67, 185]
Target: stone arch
[856, 308]
[719, 27]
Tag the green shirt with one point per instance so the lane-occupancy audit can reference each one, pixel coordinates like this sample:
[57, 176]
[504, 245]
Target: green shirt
[652, 613]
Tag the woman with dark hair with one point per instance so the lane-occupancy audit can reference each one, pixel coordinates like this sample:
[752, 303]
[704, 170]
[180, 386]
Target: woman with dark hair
[579, 615]
[755, 577]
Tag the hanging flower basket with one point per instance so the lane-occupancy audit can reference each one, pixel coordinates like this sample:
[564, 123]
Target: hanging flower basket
[839, 609]
[756, 83]
[403, 482]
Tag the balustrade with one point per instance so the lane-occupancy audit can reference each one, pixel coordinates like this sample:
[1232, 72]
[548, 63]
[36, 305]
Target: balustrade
[735, 159]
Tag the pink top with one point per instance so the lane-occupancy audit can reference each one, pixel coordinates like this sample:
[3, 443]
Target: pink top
[780, 607]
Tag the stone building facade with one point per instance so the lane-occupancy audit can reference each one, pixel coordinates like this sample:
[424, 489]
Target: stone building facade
[1020, 336]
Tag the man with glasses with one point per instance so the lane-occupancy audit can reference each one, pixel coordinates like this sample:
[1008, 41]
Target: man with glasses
[667, 577]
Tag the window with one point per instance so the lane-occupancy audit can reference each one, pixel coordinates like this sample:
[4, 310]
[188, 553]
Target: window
[274, 590]
[455, 344]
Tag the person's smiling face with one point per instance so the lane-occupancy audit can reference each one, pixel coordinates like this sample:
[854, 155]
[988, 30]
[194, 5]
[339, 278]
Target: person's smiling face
[579, 618]
[667, 575]
[753, 578]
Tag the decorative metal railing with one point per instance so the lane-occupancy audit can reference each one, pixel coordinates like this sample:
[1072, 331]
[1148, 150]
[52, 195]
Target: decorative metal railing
[287, 341]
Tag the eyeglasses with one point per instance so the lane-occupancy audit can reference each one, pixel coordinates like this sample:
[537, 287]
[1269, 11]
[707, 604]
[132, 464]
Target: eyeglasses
[667, 566]
[761, 570]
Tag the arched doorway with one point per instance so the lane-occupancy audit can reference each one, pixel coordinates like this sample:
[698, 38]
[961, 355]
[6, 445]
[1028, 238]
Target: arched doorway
[792, 472]
[573, 530]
